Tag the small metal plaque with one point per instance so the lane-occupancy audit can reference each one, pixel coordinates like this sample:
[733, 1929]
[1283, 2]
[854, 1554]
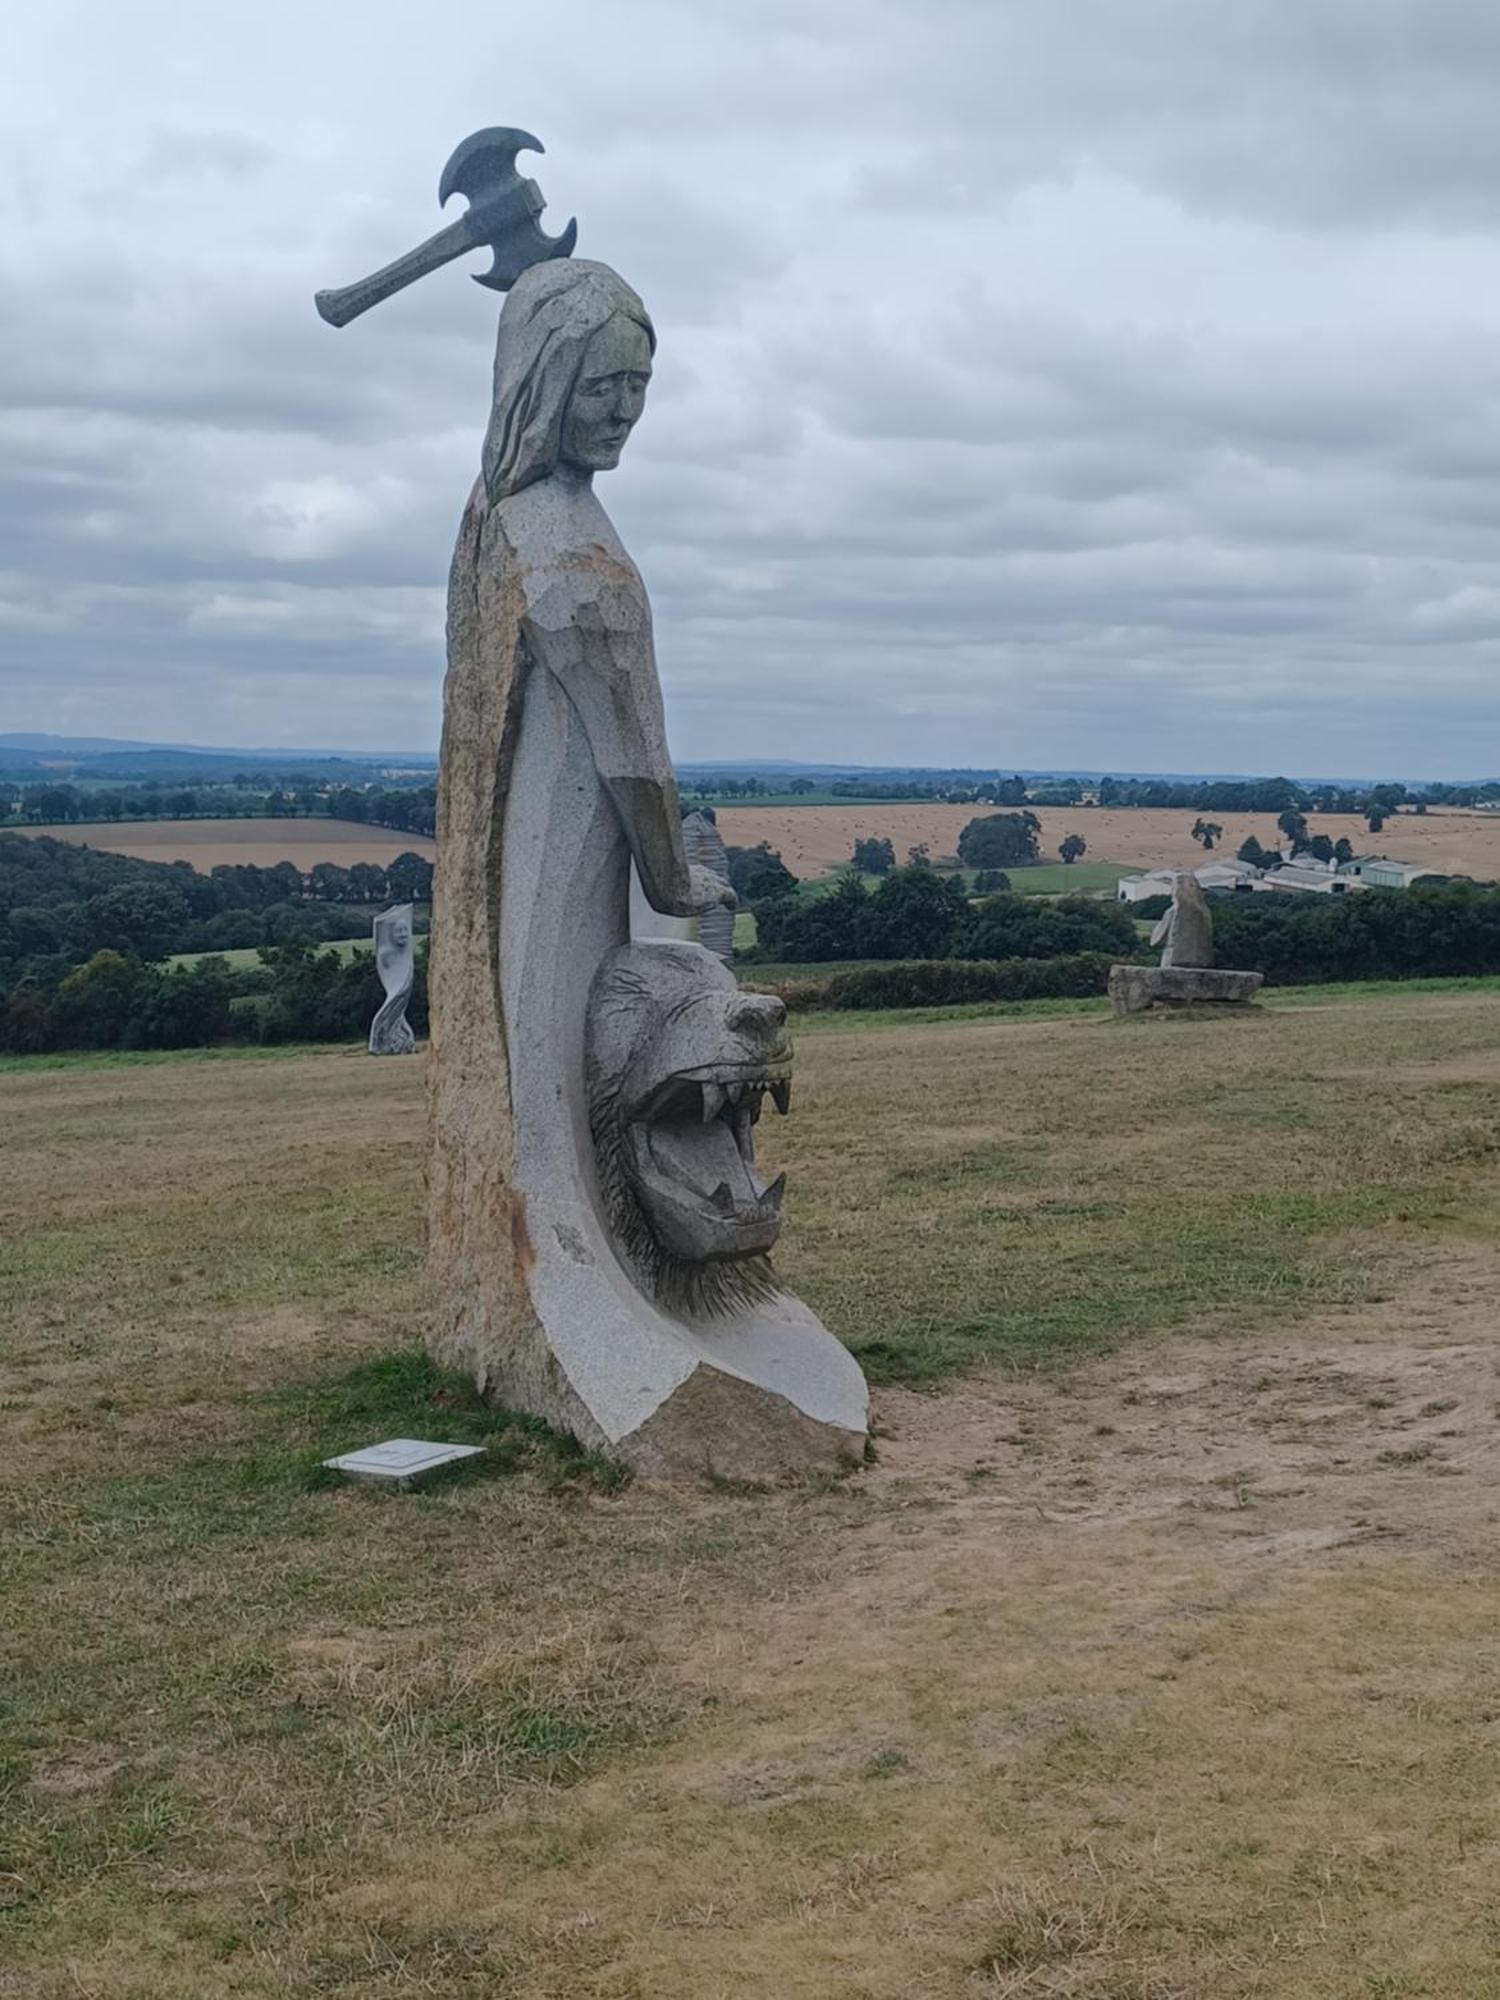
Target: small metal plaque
[400, 1461]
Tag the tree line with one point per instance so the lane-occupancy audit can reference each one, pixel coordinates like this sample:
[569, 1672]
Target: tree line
[61, 905]
[404, 808]
[114, 1001]
[916, 913]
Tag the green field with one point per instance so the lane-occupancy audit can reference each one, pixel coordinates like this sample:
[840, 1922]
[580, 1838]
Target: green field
[1151, 1656]
[1057, 878]
[346, 948]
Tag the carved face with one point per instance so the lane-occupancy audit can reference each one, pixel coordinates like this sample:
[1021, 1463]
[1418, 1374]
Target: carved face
[393, 956]
[680, 1064]
[608, 396]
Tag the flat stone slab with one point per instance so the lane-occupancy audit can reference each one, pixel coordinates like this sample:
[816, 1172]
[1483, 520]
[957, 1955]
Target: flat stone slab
[401, 1461]
[1142, 989]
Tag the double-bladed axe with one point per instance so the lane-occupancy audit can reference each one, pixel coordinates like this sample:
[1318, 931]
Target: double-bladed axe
[502, 212]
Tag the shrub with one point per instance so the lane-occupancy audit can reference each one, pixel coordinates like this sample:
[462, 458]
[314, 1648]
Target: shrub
[1034, 927]
[802, 929]
[915, 913]
[757, 874]
[999, 840]
[1449, 929]
[954, 983]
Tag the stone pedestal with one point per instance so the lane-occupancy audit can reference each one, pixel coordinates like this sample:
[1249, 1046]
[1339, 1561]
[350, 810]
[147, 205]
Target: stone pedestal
[1144, 989]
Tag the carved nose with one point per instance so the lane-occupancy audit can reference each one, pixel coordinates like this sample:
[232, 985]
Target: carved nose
[759, 1017]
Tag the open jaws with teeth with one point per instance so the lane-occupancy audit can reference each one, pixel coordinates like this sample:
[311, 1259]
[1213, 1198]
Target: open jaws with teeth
[747, 1097]
[739, 1105]
[696, 1145]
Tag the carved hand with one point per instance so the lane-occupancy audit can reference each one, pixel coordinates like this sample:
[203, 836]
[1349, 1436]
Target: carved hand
[709, 890]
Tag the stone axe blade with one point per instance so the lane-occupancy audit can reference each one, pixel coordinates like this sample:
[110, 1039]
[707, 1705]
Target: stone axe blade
[502, 213]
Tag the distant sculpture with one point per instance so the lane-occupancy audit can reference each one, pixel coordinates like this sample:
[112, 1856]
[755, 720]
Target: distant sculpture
[1186, 980]
[704, 845]
[395, 961]
[1186, 930]
[597, 1229]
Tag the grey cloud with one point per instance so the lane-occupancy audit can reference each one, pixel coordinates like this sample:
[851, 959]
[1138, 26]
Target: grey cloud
[1116, 383]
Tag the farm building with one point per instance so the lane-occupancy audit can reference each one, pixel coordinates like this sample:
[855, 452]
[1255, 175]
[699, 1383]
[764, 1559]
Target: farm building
[1378, 871]
[1234, 876]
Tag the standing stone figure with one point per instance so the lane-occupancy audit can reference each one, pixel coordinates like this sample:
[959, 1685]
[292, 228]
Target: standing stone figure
[1187, 979]
[1186, 930]
[597, 1226]
[395, 961]
[704, 844]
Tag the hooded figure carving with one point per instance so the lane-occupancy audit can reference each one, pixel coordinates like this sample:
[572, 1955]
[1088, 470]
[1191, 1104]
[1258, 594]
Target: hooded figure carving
[594, 1257]
[1186, 930]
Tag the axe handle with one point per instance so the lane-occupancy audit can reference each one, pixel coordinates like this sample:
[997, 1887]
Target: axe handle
[339, 307]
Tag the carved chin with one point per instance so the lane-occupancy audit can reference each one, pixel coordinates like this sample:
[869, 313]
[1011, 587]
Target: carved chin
[690, 1154]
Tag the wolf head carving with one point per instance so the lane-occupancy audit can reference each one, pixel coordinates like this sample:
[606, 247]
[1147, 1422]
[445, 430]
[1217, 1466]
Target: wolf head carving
[680, 1063]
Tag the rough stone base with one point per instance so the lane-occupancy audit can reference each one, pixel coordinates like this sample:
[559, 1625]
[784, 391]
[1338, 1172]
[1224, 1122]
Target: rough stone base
[717, 1427]
[1142, 989]
[759, 1395]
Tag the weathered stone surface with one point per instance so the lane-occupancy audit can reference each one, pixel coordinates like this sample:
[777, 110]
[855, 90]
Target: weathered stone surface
[1137, 989]
[1186, 931]
[395, 961]
[703, 844]
[562, 1219]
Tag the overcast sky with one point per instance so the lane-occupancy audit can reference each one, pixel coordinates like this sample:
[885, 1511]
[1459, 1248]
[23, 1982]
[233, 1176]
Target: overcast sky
[1097, 382]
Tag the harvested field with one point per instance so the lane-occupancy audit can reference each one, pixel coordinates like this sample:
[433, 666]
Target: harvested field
[210, 843]
[1155, 1656]
[814, 839]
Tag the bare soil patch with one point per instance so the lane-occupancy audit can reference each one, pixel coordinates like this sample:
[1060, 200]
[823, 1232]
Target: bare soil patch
[814, 839]
[210, 843]
[1171, 1677]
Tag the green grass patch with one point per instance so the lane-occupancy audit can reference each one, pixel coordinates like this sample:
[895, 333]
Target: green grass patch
[242, 956]
[1057, 878]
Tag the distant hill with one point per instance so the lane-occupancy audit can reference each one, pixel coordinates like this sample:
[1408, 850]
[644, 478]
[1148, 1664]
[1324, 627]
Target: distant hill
[28, 754]
[32, 754]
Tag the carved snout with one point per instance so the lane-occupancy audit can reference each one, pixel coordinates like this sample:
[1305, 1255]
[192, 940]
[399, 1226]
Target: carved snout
[760, 1019]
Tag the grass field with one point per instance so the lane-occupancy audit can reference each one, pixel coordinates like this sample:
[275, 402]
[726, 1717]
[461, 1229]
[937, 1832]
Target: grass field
[346, 948]
[1057, 878]
[1155, 1655]
[207, 843]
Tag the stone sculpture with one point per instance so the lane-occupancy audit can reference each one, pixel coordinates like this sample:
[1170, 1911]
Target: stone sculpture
[703, 844]
[1186, 977]
[395, 961]
[1186, 930]
[598, 1232]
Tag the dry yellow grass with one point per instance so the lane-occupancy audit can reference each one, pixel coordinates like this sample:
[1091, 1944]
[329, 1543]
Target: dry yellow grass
[210, 843]
[1170, 1673]
[814, 839]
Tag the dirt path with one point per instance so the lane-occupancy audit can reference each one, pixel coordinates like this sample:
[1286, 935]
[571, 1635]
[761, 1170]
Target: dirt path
[1178, 1676]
